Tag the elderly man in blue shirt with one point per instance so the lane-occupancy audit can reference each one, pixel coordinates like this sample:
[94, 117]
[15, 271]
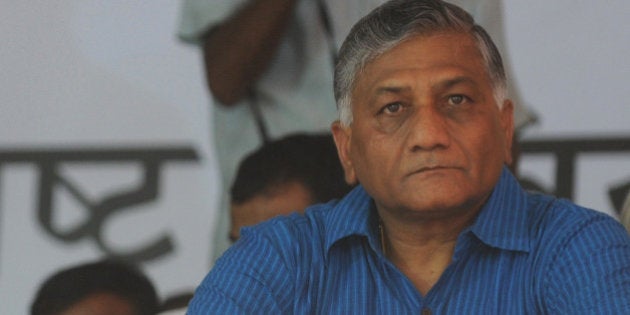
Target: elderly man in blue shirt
[437, 223]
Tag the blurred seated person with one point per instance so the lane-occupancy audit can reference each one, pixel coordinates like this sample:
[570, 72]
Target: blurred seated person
[285, 176]
[96, 288]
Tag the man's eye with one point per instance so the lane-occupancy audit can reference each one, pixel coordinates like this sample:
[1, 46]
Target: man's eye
[392, 108]
[457, 99]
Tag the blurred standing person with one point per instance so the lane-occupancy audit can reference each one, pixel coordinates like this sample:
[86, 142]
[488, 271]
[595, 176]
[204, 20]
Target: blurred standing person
[268, 66]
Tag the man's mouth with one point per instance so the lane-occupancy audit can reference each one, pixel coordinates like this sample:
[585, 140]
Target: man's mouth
[432, 168]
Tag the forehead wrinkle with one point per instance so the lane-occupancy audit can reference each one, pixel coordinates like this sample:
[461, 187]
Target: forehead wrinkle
[445, 84]
[391, 89]
[397, 88]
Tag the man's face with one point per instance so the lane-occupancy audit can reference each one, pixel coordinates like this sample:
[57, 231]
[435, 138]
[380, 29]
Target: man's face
[427, 136]
[285, 199]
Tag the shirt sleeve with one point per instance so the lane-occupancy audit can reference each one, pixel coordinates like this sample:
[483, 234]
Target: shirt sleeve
[250, 278]
[591, 274]
[198, 16]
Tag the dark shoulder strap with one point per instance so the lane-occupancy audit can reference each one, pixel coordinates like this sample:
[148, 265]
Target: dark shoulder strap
[332, 46]
[324, 15]
[254, 106]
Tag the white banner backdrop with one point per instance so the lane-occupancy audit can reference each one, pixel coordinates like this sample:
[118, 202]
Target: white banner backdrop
[104, 144]
[569, 62]
[105, 147]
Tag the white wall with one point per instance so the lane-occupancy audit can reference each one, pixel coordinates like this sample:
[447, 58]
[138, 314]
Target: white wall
[104, 74]
[570, 62]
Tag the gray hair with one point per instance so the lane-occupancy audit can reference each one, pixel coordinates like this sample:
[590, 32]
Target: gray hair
[394, 22]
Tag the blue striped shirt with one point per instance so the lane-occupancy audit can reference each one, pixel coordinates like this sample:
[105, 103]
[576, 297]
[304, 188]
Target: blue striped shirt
[525, 254]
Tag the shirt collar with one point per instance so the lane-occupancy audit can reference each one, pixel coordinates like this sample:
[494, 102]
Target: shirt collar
[501, 223]
[354, 214]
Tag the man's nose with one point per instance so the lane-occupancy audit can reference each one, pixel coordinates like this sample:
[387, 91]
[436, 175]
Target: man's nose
[429, 129]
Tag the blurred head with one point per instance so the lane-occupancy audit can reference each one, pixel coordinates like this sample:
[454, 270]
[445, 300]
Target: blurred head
[99, 288]
[427, 128]
[285, 176]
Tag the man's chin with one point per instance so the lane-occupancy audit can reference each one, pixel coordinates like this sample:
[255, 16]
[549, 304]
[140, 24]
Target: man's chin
[437, 185]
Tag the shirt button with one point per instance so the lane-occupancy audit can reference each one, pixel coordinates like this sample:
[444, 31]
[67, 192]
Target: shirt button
[426, 311]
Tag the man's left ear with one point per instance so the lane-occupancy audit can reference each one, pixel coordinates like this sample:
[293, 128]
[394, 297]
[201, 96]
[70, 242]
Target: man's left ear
[507, 126]
[342, 136]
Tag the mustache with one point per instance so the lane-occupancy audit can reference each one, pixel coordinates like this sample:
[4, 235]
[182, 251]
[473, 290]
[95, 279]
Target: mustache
[432, 165]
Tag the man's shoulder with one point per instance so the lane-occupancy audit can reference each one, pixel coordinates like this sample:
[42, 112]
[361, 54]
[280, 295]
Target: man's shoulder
[552, 209]
[576, 252]
[560, 221]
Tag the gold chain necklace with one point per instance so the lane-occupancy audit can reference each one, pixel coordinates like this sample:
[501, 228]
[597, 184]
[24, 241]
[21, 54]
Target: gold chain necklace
[381, 233]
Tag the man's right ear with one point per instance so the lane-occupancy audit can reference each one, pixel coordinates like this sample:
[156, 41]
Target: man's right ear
[343, 136]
